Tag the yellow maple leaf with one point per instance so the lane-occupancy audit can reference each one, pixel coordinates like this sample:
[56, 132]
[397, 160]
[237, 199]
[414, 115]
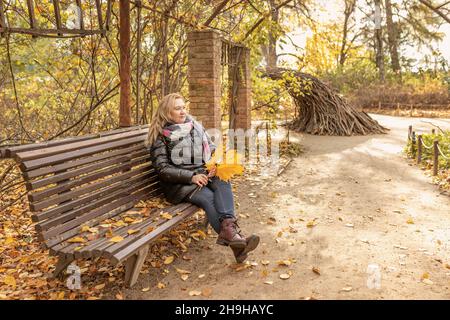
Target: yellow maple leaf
[76, 240]
[116, 239]
[131, 231]
[129, 220]
[10, 281]
[226, 167]
[169, 260]
[226, 171]
[166, 215]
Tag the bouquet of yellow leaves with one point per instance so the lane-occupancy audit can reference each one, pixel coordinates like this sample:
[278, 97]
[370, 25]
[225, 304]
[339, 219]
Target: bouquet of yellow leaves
[226, 167]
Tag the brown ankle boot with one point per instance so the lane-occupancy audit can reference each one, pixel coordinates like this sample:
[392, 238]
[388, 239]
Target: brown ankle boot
[229, 234]
[241, 254]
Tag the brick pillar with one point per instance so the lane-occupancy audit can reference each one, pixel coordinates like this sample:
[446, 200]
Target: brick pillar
[243, 108]
[204, 69]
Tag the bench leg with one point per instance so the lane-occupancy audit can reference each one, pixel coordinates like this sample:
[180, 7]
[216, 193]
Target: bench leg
[62, 264]
[133, 266]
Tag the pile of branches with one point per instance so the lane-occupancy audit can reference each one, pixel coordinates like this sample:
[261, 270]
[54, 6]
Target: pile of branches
[320, 110]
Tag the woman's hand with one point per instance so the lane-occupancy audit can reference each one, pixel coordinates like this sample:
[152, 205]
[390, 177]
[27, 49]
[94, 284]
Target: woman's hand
[212, 172]
[200, 179]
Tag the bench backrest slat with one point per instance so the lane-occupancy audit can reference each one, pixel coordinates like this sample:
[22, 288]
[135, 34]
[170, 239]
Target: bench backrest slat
[10, 151]
[68, 185]
[70, 155]
[42, 171]
[85, 180]
[120, 199]
[84, 205]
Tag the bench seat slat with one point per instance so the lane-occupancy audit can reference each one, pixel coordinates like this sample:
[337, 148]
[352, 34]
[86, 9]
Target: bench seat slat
[126, 251]
[100, 244]
[69, 249]
[60, 247]
[107, 212]
[114, 247]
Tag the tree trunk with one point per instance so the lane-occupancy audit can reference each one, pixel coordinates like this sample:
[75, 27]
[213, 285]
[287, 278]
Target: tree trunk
[379, 40]
[125, 64]
[272, 47]
[392, 38]
[349, 8]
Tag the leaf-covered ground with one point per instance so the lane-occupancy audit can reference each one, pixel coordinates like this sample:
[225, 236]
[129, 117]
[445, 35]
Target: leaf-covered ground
[344, 204]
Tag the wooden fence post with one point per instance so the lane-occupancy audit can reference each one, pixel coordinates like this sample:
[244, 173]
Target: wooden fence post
[433, 131]
[409, 132]
[435, 157]
[419, 149]
[413, 144]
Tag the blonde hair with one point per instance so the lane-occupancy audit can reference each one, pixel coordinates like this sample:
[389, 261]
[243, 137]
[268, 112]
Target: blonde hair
[161, 117]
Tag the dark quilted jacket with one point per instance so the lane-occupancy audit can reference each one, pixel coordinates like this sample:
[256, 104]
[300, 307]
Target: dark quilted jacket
[175, 179]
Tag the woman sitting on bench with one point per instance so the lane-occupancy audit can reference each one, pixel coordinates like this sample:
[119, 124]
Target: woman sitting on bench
[173, 131]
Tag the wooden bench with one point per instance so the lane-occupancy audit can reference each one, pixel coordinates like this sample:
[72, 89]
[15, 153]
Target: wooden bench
[75, 184]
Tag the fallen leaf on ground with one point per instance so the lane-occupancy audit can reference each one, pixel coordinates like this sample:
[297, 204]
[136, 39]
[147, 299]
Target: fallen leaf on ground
[268, 282]
[425, 275]
[169, 260]
[181, 271]
[311, 224]
[194, 293]
[184, 277]
[347, 289]
[145, 289]
[10, 281]
[100, 286]
[131, 231]
[161, 285]
[410, 221]
[119, 296]
[206, 292]
[316, 270]
[286, 263]
[284, 276]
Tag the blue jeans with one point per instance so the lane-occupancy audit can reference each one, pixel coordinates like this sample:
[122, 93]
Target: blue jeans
[216, 198]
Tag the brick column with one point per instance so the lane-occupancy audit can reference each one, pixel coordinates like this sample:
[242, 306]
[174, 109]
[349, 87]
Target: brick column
[204, 69]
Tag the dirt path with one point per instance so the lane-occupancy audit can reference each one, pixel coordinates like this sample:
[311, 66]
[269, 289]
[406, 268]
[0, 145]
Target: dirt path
[369, 206]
